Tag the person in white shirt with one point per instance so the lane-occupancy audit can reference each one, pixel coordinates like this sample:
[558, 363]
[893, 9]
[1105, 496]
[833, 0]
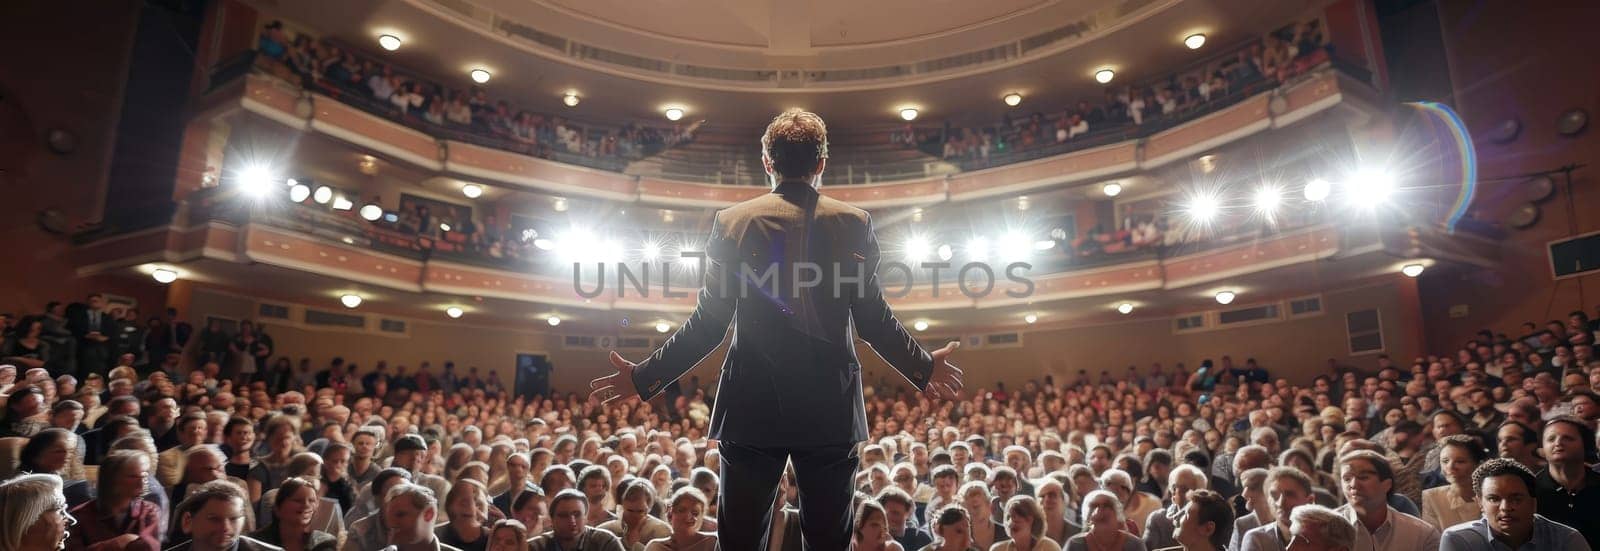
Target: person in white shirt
[1368, 479]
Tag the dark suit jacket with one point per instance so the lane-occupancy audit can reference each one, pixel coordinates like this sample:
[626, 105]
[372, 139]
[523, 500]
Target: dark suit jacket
[791, 376]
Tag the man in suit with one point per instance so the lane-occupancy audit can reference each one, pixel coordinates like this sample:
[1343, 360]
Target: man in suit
[93, 329]
[795, 272]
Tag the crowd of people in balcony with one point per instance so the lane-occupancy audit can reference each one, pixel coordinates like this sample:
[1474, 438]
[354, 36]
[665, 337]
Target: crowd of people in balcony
[1277, 58]
[373, 84]
[1453, 451]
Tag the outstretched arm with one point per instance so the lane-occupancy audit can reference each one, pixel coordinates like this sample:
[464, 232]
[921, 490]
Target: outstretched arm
[876, 324]
[700, 334]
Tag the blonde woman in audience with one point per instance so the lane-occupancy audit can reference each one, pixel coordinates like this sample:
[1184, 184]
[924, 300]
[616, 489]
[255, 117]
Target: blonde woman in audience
[688, 507]
[870, 532]
[508, 535]
[1025, 521]
[33, 513]
[985, 530]
[636, 527]
[1104, 526]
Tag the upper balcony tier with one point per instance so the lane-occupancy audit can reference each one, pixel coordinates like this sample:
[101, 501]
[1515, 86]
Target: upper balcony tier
[474, 156]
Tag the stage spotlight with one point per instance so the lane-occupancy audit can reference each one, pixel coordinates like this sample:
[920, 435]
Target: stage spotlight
[1125, 308]
[946, 253]
[560, 205]
[444, 226]
[1317, 189]
[651, 252]
[480, 76]
[1225, 297]
[472, 191]
[1112, 189]
[1014, 246]
[553, 320]
[1030, 318]
[1013, 99]
[299, 192]
[454, 312]
[389, 42]
[673, 113]
[340, 203]
[571, 99]
[544, 244]
[916, 249]
[350, 301]
[1412, 270]
[1267, 200]
[322, 195]
[163, 275]
[978, 248]
[663, 327]
[1203, 208]
[920, 325]
[255, 181]
[1044, 244]
[1194, 41]
[290, 182]
[371, 212]
[1369, 188]
[908, 114]
[1104, 76]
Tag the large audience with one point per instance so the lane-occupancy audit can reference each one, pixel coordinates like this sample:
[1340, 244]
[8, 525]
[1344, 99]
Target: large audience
[119, 433]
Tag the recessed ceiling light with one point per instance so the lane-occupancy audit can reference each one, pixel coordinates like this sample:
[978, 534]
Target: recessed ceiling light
[663, 327]
[571, 99]
[454, 312]
[553, 320]
[163, 275]
[1104, 75]
[1195, 41]
[1013, 99]
[1225, 297]
[909, 114]
[1125, 308]
[920, 325]
[1030, 318]
[389, 42]
[299, 192]
[350, 301]
[673, 113]
[371, 212]
[1112, 189]
[561, 205]
[480, 76]
[1410, 270]
[322, 195]
[472, 191]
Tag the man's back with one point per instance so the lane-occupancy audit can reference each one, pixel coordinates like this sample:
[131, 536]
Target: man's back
[794, 272]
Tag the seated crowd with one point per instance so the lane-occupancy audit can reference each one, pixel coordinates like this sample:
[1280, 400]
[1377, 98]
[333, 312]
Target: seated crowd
[1492, 445]
[374, 85]
[1278, 57]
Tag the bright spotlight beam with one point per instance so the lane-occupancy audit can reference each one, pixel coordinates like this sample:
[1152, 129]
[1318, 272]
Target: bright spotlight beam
[916, 249]
[1203, 208]
[1267, 200]
[1369, 188]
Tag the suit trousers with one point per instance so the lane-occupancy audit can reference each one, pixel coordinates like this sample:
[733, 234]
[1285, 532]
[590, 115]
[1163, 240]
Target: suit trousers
[824, 475]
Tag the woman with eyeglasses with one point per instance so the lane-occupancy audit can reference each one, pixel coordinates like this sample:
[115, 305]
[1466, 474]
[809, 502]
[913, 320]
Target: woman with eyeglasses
[636, 527]
[33, 513]
[688, 509]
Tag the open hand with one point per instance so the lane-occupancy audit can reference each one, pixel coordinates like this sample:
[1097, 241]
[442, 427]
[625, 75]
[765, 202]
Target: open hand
[617, 386]
[945, 384]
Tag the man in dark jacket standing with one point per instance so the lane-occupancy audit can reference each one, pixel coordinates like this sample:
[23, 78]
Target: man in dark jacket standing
[795, 273]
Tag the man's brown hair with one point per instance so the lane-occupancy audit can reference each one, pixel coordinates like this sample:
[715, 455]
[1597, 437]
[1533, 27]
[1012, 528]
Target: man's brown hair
[796, 141]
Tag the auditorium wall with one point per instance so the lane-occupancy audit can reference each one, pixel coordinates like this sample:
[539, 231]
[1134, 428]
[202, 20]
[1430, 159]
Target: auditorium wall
[1529, 62]
[1295, 349]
